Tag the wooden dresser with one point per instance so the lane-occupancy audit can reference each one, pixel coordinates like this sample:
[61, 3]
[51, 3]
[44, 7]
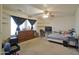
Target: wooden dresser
[25, 35]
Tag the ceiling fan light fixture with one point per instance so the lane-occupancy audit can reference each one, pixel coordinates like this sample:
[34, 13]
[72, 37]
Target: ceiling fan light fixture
[45, 16]
[41, 11]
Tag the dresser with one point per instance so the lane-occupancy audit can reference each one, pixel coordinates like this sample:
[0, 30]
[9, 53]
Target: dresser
[25, 35]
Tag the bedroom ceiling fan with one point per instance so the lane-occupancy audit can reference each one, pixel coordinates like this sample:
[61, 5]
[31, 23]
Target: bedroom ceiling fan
[47, 14]
[44, 14]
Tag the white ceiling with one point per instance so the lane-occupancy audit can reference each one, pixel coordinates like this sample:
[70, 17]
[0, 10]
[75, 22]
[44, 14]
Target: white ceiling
[31, 9]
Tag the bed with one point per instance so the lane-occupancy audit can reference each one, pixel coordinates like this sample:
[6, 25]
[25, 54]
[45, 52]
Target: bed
[58, 38]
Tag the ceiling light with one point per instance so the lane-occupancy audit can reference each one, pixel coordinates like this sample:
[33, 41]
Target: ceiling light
[45, 16]
[41, 11]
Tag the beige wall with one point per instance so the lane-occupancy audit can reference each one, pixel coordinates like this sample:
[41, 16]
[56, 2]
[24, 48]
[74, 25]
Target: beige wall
[0, 28]
[77, 21]
[5, 26]
[58, 23]
[6, 21]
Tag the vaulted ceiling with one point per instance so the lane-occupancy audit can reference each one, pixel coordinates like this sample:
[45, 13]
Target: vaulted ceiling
[33, 9]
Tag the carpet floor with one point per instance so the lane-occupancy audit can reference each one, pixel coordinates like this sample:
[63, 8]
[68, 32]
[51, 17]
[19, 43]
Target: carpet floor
[40, 46]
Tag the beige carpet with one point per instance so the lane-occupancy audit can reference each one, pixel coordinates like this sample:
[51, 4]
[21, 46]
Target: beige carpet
[40, 46]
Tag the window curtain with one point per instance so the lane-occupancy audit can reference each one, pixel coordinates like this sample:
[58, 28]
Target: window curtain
[32, 22]
[18, 21]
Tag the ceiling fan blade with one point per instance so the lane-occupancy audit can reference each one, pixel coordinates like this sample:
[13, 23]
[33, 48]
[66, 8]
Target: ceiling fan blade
[35, 14]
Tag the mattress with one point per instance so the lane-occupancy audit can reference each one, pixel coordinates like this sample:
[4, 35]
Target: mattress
[57, 36]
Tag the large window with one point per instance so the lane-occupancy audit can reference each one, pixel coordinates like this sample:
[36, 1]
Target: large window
[26, 25]
[14, 26]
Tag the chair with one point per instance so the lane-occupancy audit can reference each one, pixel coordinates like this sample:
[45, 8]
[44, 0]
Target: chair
[11, 46]
[7, 48]
[14, 48]
[11, 49]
